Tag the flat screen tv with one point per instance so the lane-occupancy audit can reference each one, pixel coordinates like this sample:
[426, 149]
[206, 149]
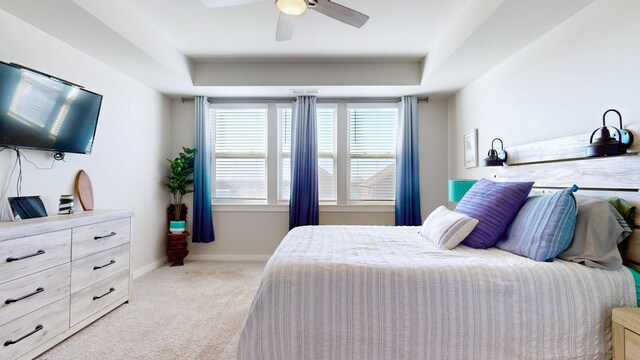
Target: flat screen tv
[41, 112]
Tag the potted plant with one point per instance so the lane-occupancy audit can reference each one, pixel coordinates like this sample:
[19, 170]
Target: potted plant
[178, 182]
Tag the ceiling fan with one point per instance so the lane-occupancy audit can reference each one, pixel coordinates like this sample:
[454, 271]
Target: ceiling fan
[291, 9]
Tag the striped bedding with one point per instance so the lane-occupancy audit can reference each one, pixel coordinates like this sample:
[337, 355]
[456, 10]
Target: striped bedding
[375, 292]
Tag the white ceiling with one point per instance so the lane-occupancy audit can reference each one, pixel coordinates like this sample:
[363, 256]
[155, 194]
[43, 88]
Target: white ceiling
[395, 28]
[408, 47]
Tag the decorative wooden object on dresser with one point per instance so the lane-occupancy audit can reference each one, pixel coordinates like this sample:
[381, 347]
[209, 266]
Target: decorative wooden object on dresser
[58, 275]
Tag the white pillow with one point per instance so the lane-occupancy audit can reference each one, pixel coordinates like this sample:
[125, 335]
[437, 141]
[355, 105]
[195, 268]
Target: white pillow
[447, 228]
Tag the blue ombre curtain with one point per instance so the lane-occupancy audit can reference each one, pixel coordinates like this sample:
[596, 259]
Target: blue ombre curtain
[407, 175]
[304, 203]
[202, 216]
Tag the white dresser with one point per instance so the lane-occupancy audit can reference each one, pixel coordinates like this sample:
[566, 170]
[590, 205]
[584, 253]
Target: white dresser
[59, 274]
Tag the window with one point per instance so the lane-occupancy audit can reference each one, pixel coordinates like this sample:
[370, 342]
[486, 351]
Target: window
[239, 152]
[251, 151]
[326, 151]
[372, 152]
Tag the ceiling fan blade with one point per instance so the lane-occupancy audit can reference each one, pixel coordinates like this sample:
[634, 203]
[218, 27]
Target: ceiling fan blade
[341, 13]
[224, 3]
[286, 24]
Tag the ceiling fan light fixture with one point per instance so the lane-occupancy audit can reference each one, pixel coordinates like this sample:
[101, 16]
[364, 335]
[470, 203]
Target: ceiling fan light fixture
[292, 7]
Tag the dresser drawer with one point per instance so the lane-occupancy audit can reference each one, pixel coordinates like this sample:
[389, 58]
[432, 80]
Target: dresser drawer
[86, 302]
[94, 238]
[24, 256]
[22, 335]
[631, 345]
[93, 268]
[22, 296]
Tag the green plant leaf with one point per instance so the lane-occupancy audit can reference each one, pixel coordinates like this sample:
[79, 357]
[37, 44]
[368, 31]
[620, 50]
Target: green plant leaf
[180, 172]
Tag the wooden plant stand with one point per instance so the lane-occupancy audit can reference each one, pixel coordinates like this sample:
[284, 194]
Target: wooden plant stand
[177, 248]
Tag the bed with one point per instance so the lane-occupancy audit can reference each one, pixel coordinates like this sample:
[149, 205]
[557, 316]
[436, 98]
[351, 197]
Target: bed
[376, 292]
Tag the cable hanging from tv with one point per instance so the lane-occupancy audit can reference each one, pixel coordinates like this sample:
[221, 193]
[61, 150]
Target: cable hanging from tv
[57, 156]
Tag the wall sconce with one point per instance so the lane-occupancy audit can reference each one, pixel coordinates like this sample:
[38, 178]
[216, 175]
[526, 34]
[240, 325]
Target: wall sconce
[607, 144]
[457, 189]
[495, 158]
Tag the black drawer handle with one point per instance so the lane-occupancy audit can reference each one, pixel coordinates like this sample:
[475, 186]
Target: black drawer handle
[104, 266]
[39, 252]
[105, 294]
[11, 342]
[105, 236]
[38, 291]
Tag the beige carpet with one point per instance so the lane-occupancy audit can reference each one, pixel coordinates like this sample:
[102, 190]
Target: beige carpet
[191, 312]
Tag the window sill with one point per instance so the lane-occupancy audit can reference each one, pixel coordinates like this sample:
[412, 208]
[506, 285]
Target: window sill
[249, 208]
[353, 208]
[368, 208]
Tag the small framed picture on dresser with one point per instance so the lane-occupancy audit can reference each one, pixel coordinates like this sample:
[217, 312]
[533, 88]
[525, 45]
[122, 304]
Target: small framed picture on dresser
[470, 141]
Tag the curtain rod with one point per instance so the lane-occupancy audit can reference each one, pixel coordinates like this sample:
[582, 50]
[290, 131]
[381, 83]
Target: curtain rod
[291, 99]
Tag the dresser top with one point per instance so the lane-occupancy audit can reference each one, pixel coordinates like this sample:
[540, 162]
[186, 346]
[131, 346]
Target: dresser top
[11, 230]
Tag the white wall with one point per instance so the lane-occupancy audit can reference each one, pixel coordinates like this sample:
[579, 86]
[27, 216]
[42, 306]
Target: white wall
[434, 160]
[559, 85]
[131, 143]
[256, 234]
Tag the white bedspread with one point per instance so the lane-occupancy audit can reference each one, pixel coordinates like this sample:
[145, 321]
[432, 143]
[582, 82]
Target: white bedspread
[374, 292]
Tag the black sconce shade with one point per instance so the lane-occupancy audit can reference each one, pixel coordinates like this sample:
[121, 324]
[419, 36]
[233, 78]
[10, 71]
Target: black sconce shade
[495, 158]
[607, 144]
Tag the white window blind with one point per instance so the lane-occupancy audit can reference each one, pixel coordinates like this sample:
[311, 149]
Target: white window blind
[372, 152]
[239, 139]
[284, 121]
[326, 152]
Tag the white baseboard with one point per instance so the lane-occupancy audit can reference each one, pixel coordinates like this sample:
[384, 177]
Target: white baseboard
[230, 257]
[148, 268]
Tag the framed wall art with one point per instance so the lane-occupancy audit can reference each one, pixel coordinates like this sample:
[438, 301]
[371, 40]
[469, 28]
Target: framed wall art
[470, 140]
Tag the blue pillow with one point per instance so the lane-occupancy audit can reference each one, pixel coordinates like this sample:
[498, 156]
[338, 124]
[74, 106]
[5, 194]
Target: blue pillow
[543, 227]
[494, 204]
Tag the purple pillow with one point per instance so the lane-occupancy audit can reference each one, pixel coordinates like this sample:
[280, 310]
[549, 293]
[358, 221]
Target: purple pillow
[495, 205]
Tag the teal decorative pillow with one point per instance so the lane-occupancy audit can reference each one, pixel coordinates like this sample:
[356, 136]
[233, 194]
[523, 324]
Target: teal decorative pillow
[543, 227]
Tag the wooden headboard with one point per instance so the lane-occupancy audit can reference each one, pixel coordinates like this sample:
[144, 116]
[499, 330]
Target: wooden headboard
[559, 163]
